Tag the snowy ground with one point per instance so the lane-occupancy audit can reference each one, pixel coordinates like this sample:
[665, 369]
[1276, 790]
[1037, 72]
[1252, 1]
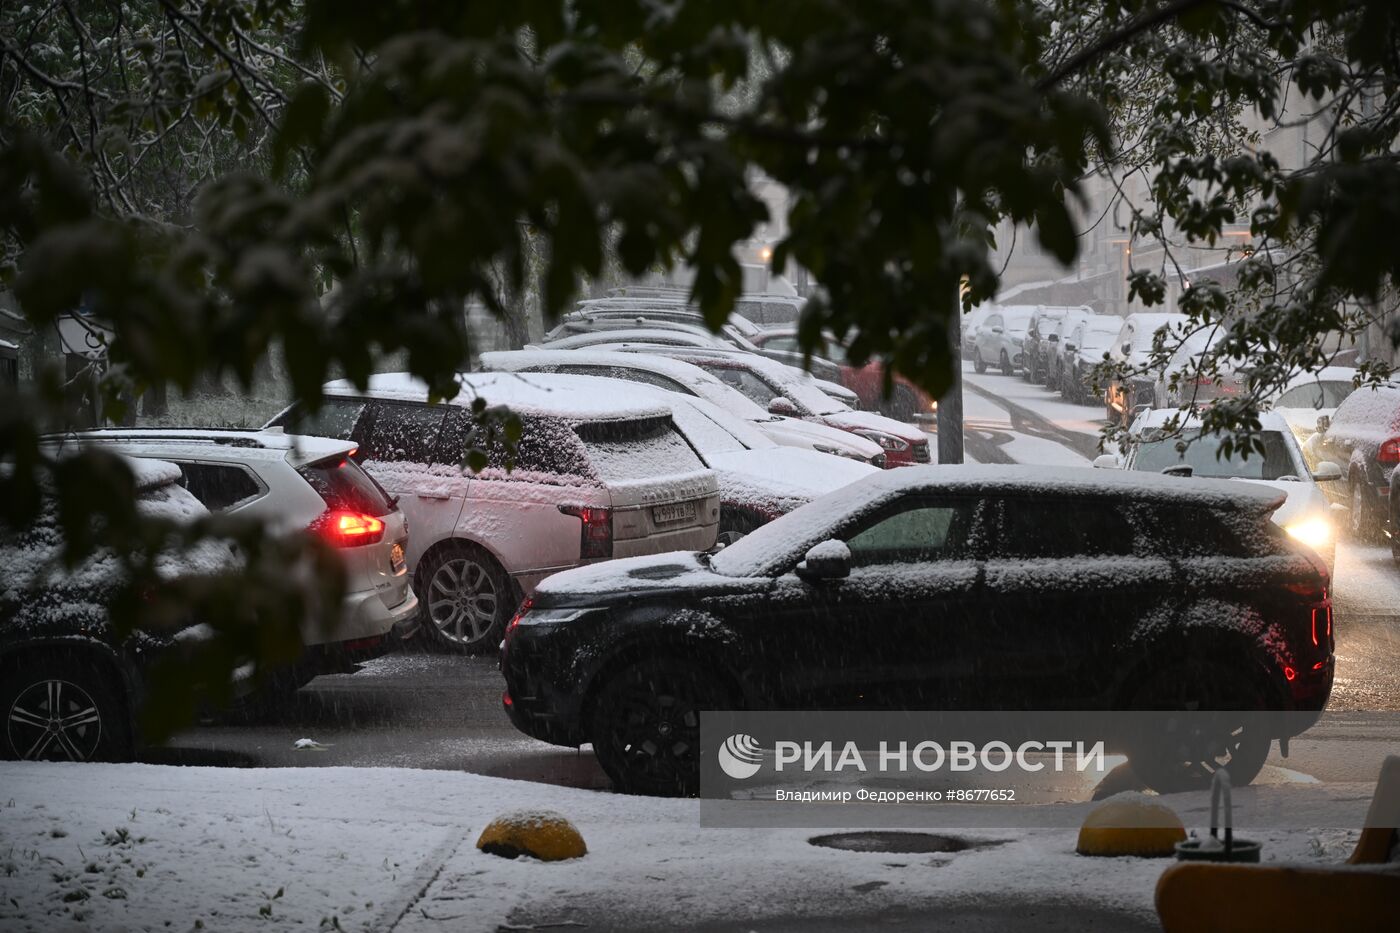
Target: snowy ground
[123, 847]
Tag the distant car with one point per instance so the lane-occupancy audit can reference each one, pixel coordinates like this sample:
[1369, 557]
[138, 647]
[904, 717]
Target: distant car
[293, 483]
[784, 391]
[1393, 531]
[1001, 339]
[593, 478]
[971, 324]
[1042, 337]
[70, 688]
[906, 402]
[739, 331]
[1057, 357]
[677, 375]
[614, 332]
[1194, 386]
[1311, 397]
[1132, 348]
[1305, 513]
[1085, 348]
[954, 587]
[1363, 440]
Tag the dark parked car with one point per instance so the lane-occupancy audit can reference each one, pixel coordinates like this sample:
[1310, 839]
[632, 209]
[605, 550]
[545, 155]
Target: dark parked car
[938, 588]
[1363, 439]
[69, 689]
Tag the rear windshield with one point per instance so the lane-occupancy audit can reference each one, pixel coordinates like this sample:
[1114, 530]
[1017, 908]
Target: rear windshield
[343, 485]
[645, 448]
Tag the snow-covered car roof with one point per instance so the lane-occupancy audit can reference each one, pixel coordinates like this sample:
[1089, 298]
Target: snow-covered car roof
[770, 546]
[549, 394]
[679, 336]
[790, 378]
[1325, 374]
[151, 474]
[211, 443]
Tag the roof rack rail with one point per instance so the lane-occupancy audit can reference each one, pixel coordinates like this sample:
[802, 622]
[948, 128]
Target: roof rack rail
[183, 438]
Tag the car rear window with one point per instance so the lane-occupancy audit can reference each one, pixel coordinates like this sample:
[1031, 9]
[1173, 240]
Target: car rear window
[342, 484]
[640, 448]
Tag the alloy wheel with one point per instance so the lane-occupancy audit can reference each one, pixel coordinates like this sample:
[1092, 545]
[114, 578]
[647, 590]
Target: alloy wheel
[54, 720]
[462, 600]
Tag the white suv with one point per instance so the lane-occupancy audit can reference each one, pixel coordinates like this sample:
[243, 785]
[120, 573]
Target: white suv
[596, 475]
[293, 483]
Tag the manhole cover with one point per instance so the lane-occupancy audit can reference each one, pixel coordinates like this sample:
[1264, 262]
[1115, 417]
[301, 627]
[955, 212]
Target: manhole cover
[873, 841]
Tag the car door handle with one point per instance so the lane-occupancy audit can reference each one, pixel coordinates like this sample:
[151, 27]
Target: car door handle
[424, 495]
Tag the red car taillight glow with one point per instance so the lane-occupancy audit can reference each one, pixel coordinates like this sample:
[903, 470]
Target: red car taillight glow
[596, 531]
[525, 607]
[344, 528]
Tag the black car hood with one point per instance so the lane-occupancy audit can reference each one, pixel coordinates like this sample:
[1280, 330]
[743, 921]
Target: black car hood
[657, 574]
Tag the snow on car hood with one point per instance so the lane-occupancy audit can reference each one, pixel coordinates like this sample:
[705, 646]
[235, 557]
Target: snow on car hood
[798, 433]
[874, 421]
[779, 479]
[654, 573]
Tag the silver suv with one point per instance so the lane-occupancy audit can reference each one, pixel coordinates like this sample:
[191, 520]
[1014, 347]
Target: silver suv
[292, 483]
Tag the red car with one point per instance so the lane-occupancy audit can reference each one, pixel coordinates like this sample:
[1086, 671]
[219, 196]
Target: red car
[906, 403]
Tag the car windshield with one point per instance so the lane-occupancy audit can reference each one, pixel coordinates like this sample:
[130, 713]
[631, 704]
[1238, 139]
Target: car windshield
[1202, 454]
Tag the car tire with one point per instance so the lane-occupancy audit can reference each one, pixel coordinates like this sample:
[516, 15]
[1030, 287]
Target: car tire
[467, 600]
[1006, 368]
[979, 365]
[645, 725]
[1191, 763]
[1362, 521]
[90, 707]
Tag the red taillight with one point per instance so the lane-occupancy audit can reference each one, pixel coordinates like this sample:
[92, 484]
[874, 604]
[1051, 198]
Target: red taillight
[1390, 451]
[1321, 611]
[506, 701]
[344, 528]
[519, 614]
[596, 532]
[1289, 673]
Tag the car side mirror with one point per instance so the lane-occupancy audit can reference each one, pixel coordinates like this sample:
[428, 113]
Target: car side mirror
[830, 560]
[1127, 349]
[1071, 347]
[782, 406]
[1106, 462]
[1327, 472]
[1323, 423]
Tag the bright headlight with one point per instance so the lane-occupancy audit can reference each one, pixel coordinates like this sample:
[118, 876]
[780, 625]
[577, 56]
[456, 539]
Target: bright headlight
[1315, 532]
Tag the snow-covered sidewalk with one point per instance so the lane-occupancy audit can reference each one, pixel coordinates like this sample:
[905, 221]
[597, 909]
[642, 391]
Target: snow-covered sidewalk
[126, 847]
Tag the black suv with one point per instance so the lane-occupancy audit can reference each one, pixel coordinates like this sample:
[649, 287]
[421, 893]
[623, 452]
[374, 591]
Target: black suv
[1363, 439]
[944, 587]
[69, 690]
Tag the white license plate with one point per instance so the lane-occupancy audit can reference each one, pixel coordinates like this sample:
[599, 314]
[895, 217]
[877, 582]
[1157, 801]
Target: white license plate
[396, 558]
[675, 512]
